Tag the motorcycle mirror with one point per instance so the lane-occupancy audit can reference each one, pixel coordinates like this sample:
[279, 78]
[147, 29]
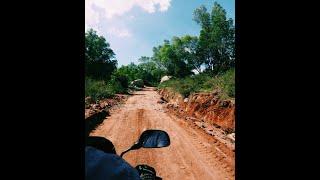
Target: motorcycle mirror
[154, 139]
[151, 139]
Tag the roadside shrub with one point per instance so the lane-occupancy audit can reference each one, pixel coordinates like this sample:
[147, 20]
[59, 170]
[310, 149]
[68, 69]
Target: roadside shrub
[224, 83]
[97, 89]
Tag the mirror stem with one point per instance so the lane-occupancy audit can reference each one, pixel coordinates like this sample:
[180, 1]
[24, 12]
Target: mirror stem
[124, 152]
[135, 146]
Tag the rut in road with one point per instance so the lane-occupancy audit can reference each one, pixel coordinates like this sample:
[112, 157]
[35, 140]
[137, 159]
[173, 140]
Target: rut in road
[191, 155]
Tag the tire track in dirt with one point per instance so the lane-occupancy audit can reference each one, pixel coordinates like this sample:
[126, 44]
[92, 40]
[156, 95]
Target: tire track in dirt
[191, 155]
[210, 145]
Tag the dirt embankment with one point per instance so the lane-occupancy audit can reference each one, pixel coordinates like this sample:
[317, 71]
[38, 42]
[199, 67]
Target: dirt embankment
[205, 109]
[93, 108]
[96, 112]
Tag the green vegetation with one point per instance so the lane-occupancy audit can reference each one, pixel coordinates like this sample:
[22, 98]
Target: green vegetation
[100, 66]
[224, 83]
[216, 40]
[97, 89]
[211, 54]
[147, 70]
[213, 49]
[99, 57]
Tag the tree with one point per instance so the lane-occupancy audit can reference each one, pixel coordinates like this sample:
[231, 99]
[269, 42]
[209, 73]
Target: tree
[144, 59]
[216, 40]
[186, 50]
[170, 58]
[130, 71]
[153, 69]
[100, 59]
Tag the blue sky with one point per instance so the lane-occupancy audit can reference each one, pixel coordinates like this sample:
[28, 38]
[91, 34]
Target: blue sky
[134, 27]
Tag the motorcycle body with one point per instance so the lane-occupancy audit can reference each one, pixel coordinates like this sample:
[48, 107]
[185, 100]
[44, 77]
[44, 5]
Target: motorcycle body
[148, 139]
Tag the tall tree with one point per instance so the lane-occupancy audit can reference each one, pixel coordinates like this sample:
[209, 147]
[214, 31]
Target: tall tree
[216, 40]
[100, 59]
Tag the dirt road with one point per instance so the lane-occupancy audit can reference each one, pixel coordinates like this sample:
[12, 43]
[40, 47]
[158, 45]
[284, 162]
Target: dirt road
[191, 155]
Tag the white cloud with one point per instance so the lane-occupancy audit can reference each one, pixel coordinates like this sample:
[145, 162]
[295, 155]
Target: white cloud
[112, 8]
[122, 33]
[91, 16]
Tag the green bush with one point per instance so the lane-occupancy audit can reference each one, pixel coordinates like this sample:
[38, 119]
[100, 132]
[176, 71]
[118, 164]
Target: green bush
[97, 89]
[118, 84]
[224, 83]
[123, 80]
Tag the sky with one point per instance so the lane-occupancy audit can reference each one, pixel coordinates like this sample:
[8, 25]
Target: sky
[134, 27]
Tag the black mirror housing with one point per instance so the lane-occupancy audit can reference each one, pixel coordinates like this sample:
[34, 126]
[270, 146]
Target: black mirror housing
[154, 139]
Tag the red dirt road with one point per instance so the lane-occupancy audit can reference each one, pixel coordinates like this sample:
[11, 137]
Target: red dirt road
[191, 155]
